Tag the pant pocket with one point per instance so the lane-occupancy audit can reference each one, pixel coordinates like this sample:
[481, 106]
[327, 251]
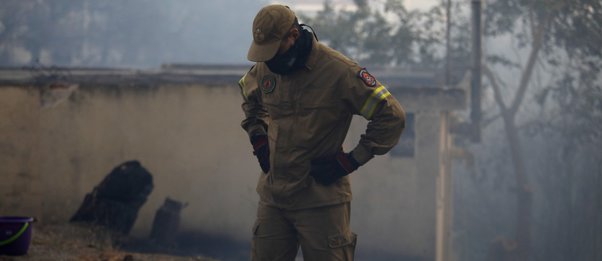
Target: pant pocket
[341, 240]
[343, 246]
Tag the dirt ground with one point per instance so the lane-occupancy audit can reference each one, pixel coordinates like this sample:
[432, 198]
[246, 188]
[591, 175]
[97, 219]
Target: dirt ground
[58, 242]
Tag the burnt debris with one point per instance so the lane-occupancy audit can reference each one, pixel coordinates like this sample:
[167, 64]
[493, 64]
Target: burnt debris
[167, 221]
[115, 202]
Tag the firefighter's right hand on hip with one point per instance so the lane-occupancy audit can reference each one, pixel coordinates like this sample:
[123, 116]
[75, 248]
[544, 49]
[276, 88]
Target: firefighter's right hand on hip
[262, 151]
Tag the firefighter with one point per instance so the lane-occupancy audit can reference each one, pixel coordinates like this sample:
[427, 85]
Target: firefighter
[299, 99]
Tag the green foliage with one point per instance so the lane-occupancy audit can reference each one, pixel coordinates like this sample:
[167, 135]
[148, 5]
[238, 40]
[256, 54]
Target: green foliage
[387, 34]
[365, 34]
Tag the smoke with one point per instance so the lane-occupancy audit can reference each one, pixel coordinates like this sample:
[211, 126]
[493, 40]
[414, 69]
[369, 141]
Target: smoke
[139, 33]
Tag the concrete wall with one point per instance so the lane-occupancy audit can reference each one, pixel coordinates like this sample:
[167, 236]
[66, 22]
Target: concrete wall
[189, 138]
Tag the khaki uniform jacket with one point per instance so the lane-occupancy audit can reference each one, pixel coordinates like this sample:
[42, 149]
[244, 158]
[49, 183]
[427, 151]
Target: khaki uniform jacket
[307, 114]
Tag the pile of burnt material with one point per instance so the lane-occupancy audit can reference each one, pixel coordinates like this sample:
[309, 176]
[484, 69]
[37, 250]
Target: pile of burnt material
[115, 202]
[164, 235]
[167, 221]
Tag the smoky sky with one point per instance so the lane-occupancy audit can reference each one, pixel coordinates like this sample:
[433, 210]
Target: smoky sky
[138, 33]
[212, 32]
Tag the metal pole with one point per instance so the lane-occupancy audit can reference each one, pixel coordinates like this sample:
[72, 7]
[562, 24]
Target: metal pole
[475, 94]
[447, 43]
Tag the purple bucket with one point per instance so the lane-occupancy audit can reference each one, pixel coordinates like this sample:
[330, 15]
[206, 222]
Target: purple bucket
[15, 235]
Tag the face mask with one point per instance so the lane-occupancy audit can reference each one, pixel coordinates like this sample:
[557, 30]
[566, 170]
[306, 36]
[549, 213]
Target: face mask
[294, 58]
[283, 63]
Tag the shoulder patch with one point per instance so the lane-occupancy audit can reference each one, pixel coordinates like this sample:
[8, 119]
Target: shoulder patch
[367, 78]
[268, 83]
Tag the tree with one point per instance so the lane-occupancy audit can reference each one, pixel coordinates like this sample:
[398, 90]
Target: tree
[546, 29]
[365, 34]
[555, 42]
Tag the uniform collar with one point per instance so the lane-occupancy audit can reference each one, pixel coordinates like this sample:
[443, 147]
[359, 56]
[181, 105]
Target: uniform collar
[313, 55]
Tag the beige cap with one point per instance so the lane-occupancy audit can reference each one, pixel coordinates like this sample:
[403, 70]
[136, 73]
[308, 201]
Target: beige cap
[270, 26]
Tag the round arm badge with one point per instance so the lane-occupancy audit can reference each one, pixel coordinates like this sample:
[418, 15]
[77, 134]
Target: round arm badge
[366, 77]
[268, 83]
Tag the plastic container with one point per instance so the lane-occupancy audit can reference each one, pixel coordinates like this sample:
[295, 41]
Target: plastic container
[15, 235]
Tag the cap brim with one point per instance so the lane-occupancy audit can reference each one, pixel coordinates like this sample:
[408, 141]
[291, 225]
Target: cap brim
[263, 52]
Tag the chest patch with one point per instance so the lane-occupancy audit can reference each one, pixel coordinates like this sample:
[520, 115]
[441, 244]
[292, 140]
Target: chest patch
[268, 83]
[366, 77]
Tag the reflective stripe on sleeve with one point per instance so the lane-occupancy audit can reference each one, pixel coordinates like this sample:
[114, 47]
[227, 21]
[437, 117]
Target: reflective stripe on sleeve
[372, 102]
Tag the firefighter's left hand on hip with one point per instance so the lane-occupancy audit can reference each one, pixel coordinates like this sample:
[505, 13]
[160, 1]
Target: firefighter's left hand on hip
[328, 171]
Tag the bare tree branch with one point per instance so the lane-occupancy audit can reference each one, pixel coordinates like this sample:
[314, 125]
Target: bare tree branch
[526, 76]
[497, 93]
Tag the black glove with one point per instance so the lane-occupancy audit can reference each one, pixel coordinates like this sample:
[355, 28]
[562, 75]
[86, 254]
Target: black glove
[329, 170]
[262, 151]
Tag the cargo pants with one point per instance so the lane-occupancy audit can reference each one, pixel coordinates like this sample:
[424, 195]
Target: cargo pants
[323, 233]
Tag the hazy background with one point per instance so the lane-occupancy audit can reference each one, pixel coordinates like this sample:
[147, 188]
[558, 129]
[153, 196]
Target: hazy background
[140, 34]
[534, 180]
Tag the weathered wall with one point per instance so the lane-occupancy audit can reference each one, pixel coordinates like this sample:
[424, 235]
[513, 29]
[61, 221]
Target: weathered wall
[189, 138]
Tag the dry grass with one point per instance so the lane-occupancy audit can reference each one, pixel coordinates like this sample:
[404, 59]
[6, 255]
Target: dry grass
[58, 242]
